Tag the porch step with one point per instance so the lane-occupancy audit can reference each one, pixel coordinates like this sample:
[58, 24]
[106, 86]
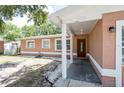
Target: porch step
[74, 83]
[61, 83]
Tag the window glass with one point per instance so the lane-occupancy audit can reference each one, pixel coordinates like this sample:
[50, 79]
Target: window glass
[31, 44]
[59, 44]
[68, 44]
[46, 43]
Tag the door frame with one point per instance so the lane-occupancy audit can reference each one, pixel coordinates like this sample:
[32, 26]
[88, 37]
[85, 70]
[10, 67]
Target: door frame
[85, 46]
[119, 25]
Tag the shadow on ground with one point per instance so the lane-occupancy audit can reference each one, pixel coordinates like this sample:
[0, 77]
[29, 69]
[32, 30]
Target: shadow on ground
[28, 77]
[11, 64]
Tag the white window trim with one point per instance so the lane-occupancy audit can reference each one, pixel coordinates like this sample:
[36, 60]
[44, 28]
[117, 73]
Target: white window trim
[56, 44]
[46, 40]
[29, 41]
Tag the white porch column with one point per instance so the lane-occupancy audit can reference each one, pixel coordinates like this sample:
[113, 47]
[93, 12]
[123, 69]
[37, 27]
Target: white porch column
[71, 48]
[64, 58]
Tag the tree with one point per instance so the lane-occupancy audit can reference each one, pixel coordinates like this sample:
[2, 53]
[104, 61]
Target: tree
[48, 28]
[11, 33]
[36, 13]
[27, 31]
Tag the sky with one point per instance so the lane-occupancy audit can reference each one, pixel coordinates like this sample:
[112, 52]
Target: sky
[19, 21]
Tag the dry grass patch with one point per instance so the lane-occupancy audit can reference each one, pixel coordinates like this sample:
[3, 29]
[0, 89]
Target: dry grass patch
[36, 78]
[7, 59]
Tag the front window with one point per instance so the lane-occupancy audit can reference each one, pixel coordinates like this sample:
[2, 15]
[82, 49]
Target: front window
[68, 44]
[45, 43]
[31, 44]
[59, 44]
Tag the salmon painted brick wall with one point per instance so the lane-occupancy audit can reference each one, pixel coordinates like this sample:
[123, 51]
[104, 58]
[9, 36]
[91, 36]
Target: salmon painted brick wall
[38, 44]
[95, 45]
[95, 42]
[102, 44]
[106, 41]
[109, 38]
[123, 76]
[109, 42]
[1, 47]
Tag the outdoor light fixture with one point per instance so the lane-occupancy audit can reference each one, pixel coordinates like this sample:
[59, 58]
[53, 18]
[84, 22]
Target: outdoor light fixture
[112, 29]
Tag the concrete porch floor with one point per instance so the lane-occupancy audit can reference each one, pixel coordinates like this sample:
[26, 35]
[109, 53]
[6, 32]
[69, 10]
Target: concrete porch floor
[82, 70]
[79, 74]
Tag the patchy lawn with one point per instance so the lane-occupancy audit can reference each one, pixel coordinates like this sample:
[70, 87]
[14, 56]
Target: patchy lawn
[4, 61]
[35, 78]
[25, 71]
[7, 59]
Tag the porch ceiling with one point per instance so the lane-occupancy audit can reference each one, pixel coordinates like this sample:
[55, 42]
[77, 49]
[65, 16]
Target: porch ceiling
[79, 28]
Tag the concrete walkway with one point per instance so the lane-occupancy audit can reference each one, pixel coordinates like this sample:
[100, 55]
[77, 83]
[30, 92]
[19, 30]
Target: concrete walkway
[82, 70]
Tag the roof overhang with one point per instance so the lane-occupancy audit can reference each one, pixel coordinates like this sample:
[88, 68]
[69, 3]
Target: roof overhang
[71, 14]
[44, 37]
[83, 14]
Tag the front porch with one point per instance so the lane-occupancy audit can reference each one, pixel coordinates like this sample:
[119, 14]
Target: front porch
[79, 33]
[79, 74]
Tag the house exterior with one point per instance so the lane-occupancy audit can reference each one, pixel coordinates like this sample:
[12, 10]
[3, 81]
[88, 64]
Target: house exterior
[96, 32]
[48, 45]
[1, 46]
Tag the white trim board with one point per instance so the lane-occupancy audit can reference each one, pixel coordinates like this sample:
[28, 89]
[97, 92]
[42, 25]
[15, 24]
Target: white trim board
[103, 72]
[54, 53]
[119, 25]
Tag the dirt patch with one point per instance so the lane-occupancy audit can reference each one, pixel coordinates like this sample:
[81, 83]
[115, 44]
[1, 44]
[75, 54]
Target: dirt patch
[36, 78]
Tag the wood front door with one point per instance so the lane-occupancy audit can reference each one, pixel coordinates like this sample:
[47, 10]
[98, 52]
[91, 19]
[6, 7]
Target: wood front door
[81, 47]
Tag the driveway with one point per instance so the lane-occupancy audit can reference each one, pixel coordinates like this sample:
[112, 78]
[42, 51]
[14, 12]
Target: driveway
[13, 68]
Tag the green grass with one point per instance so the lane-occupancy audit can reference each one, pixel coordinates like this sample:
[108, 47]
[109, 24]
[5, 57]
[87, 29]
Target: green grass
[4, 61]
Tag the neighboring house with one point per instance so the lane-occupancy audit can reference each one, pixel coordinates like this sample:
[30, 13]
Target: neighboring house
[95, 31]
[12, 48]
[1, 46]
